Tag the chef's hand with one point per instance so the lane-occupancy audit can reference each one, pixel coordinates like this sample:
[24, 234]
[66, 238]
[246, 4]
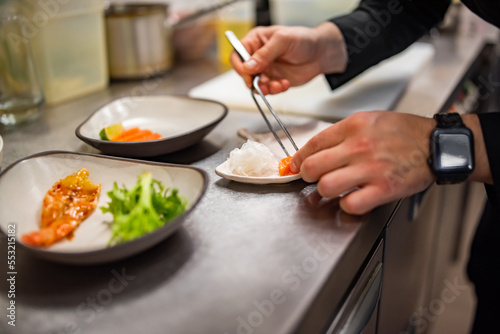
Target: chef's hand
[380, 155]
[291, 56]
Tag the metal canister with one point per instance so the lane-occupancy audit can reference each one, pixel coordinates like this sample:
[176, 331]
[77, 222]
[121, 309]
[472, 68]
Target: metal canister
[139, 40]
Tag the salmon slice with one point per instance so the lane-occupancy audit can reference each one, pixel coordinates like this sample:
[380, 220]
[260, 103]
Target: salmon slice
[284, 167]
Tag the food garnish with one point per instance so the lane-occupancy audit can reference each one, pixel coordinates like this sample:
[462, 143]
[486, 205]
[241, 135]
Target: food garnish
[141, 209]
[110, 132]
[284, 167]
[116, 132]
[65, 206]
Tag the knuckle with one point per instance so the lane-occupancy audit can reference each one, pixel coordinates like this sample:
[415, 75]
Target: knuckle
[359, 119]
[259, 30]
[283, 33]
[350, 205]
[363, 145]
[309, 170]
[325, 189]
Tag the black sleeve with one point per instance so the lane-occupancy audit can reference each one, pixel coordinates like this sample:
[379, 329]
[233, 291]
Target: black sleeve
[378, 29]
[490, 123]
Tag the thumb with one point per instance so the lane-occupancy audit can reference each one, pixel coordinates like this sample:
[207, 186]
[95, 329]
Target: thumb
[265, 56]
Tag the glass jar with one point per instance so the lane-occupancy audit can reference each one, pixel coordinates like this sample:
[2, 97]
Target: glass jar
[21, 93]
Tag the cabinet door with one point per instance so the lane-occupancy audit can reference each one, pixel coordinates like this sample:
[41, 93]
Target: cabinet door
[407, 258]
[360, 310]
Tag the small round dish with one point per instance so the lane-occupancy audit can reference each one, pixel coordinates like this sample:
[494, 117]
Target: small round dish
[223, 171]
[182, 121]
[301, 134]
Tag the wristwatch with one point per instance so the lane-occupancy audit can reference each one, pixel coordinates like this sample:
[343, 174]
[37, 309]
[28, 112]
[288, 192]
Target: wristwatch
[451, 149]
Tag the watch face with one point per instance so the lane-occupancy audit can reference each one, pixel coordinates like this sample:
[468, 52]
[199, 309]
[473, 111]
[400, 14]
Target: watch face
[454, 153]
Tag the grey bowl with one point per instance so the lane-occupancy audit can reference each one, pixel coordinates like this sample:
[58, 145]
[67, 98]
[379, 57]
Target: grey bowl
[182, 121]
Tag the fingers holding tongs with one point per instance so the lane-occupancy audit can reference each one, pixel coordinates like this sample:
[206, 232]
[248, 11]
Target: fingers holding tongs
[243, 53]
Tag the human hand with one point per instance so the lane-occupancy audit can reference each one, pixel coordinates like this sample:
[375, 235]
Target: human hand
[381, 154]
[290, 56]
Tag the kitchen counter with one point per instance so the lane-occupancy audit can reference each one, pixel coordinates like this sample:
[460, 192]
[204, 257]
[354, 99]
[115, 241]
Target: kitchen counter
[249, 259]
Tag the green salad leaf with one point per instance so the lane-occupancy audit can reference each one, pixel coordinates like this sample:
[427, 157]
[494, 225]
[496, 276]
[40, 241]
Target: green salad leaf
[145, 207]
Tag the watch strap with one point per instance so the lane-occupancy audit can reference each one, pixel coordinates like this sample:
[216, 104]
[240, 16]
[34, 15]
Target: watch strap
[449, 120]
[443, 178]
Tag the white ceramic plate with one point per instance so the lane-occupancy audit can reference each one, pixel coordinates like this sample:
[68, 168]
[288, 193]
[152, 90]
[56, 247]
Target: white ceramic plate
[25, 183]
[223, 171]
[300, 134]
[182, 121]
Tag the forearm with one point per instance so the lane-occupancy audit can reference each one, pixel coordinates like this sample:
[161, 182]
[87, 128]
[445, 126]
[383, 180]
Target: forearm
[331, 48]
[379, 29]
[487, 146]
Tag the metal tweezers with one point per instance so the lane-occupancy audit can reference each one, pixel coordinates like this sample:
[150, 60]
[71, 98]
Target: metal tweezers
[243, 53]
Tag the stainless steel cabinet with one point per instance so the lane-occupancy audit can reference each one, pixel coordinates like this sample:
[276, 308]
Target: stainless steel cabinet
[407, 260]
[359, 312]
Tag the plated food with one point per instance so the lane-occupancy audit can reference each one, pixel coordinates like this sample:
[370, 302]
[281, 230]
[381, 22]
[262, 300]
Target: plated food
[28, 180]
[180, 121]
[279, 170]
[116, 132]
[253, 159]
[284, 167]
[255, 163]
[137, 211]
[141, 209]
[65, 206]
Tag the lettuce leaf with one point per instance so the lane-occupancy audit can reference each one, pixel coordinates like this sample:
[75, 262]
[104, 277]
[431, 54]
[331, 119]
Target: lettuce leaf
[142, 209]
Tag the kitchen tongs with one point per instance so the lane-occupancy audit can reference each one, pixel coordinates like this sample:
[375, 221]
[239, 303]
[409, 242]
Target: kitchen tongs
[243, 53]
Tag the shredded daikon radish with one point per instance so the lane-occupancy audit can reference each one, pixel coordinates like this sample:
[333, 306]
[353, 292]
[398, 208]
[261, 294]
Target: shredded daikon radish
[253, 159]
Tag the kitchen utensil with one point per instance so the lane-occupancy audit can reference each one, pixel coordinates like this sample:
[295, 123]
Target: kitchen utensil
[139, 40]
[182, 121]
[26, 182]
[243, 53]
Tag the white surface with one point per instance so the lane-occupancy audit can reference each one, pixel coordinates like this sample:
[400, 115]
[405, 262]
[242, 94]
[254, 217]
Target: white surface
[378, 88]
[300, 134]
[308, 12]
[28, 181]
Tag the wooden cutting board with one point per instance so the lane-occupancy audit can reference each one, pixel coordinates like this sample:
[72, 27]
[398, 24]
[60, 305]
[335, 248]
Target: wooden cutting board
[378, 88]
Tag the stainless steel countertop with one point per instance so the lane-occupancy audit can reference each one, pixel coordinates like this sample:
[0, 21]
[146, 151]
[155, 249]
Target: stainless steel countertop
[272, 259]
